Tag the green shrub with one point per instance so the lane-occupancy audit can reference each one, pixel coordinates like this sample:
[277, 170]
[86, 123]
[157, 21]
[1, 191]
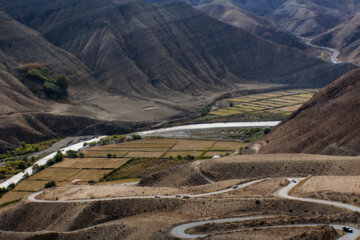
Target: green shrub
[267, 130]
[11, 187]
[41, 74]
[62, 81]
[109, 155]
[231, 104]
[50, 184]
[59, 156]
[36, 168]
[50, 163]
[136, 137]
[71, 154]
[81, 155]
[50, 87]
[205, 111]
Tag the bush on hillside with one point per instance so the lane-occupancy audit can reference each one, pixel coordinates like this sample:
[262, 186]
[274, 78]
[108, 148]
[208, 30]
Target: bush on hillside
[50, 184]
[62, 81]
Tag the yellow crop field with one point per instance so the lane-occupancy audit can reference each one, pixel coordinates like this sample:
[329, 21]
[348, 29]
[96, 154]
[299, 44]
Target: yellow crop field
[225, 146]
[89, 174]
[91, 163]
[192, 145]
[145, 154]
[30, 185]
[13, 196]
[279, 102]
[55, 174]
[289, 108]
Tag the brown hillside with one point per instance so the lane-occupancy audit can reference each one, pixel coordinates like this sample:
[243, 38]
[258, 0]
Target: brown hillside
[327, 124]
[345, 37]
[135, 63]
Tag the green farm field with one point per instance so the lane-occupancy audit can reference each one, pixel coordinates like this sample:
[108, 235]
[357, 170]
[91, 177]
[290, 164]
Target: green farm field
[280, 103]
[126, 161]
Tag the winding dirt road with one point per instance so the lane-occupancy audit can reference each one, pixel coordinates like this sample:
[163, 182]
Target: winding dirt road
[180, 230]
[33, 198]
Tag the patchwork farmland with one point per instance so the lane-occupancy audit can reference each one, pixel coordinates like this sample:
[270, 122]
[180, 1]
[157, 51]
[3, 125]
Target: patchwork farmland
[280, 103]
[121, 162]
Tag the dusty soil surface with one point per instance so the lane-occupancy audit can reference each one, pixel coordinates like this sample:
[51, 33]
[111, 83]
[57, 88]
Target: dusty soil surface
[340, 184]
[280, 234]
[257, 166]
[90, 192]
[152, 218]
[344, 189]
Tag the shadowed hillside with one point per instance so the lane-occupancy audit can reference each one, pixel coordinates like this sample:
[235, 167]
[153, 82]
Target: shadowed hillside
[327, 124]
[131, 63]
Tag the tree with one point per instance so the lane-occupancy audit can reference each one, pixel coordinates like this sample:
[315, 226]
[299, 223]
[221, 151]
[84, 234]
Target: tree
[136, 137]
[62, 81]
[59, 156]
[267, 130]
[231, 104]
[36, 168]
[50, 184]
[11, 187]
[71, 154]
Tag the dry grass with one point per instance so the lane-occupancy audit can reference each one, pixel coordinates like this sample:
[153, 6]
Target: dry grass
[91, 163]
[113, 190]
[55, 174]
[184, 145]
[227, 146]
[145, 154]
[30, 185]
[339, 184]
[13, 196]
[119, 181]
[88, 175]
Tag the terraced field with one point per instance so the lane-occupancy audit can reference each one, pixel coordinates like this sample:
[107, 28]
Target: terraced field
[122, 161]
[280, 103]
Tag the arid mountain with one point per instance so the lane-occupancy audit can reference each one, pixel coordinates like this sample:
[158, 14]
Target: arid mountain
[305, 18]
[165, 47]
[131, 62]
[327, 124]
[345, 37]
[227, 12]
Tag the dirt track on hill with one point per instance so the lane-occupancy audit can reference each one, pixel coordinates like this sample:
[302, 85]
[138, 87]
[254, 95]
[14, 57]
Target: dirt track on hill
[254, 166]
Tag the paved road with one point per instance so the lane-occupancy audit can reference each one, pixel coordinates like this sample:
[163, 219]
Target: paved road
[33, 198]
[283, 193]
[180, 231]
[335, 53]
[17, 178]
[210, 126]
